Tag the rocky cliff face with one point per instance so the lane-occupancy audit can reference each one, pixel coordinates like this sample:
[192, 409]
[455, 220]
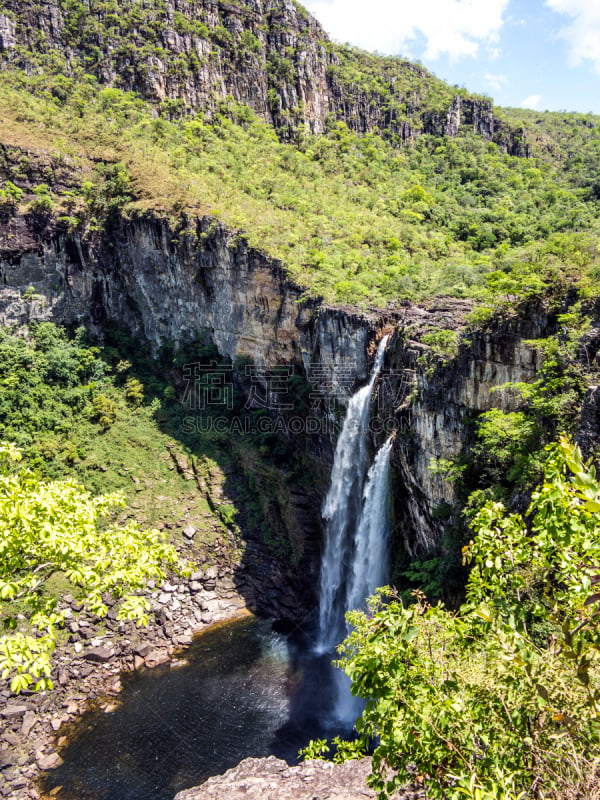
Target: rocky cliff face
[432, 403]
[171, 285]
[268, 54]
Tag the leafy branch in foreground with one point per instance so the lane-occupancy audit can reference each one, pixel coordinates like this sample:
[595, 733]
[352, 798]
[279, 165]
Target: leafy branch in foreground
[501, 700]
[58, 528]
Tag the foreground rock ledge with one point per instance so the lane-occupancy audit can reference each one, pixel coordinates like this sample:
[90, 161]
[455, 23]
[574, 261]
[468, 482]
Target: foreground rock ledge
[273, 779]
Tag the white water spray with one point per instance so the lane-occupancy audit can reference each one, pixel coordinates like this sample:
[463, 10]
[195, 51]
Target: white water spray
[370, 563]
[369, 567]
[342, 512]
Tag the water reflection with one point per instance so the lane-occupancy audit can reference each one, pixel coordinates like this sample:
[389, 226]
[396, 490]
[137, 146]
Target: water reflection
[247, 691]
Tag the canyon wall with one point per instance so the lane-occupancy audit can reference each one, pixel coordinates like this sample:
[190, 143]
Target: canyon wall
[169, 282]
[200, 280]
[169, 287]
[433, 402]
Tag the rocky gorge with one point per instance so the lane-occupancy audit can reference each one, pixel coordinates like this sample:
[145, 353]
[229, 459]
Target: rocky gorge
[197, 279]
[88, 244]
[165, 285]
[169, 282]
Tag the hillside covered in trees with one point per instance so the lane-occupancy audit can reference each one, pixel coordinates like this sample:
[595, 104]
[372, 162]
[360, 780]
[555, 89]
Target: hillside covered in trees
[382, 184]
[213, 187]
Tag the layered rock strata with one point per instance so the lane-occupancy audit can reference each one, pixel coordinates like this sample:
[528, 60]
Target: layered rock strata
[268, 54]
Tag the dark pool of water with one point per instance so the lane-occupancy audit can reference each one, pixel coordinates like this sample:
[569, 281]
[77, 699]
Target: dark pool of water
[247, 691]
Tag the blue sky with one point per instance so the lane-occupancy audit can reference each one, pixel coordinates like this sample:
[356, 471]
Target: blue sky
[542, 54]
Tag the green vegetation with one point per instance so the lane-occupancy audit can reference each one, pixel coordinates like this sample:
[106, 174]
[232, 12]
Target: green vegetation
[357, 219]
[117, 420]
[500, 700]
[113, 419]
[354, 219]
[505, 451]
[57, 528]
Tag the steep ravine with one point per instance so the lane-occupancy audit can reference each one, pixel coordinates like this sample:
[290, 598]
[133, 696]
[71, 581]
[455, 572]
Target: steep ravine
[200, 280]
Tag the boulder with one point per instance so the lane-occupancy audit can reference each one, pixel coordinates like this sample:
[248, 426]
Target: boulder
[98, 655]
[156, 657]
[8, 758]
[189, 531]
[29, 720]
[13, 710]
[50, 761]
[273, 779]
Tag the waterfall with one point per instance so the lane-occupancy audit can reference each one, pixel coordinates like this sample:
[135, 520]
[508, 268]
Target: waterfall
[343, 512]
[369, 568]
[370, 563]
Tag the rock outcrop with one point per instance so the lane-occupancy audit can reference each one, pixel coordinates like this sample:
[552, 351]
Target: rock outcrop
[271, 55]
[272, 779]
[432, 402]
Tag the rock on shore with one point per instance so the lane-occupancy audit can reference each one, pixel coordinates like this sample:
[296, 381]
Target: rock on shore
[273, 779]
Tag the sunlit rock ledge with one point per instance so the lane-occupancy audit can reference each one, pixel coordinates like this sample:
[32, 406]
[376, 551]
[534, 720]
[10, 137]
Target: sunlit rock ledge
[273, 779]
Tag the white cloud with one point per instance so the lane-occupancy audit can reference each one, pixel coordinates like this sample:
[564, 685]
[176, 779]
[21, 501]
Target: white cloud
[495, 81]
[453, 27]
[582, 35]
[533, 101]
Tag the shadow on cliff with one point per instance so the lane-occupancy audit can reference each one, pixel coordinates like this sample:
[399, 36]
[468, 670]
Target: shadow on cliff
[259, 473]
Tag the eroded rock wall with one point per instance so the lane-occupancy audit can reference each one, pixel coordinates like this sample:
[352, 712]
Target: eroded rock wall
[268, 54]
[433, 402]
[200, 280]
[173, 286]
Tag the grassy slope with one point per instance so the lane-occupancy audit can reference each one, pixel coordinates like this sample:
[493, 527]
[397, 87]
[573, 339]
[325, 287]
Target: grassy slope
[116, 424]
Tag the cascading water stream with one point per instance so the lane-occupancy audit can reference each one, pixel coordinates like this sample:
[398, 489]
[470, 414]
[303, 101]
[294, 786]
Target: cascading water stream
[372, 540]
[369, 565]
[342, 511]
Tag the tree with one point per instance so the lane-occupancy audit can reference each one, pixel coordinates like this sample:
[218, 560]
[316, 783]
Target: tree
[57, 529]
[501, 700]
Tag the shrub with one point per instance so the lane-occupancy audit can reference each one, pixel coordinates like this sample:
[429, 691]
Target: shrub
[502, 699]
[105, 411]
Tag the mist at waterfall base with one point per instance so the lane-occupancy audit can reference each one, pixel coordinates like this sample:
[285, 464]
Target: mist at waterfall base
[246, 691]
